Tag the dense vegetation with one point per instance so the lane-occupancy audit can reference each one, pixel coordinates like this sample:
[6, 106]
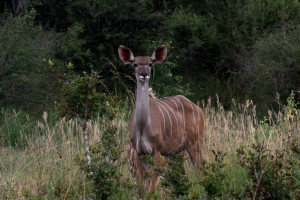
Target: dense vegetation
[237, 49]
[244, 158]
[60, 75]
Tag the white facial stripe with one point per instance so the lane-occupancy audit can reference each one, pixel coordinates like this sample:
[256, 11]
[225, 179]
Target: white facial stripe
[142, 78]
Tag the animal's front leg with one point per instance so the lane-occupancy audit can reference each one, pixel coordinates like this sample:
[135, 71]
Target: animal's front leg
[159, 164]
[151, 167]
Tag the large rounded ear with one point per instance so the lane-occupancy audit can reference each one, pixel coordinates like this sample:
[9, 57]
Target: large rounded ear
[159, 54]
[126, 55]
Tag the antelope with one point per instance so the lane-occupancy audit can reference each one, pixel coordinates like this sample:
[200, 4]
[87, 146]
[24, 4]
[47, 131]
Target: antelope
[161, 127]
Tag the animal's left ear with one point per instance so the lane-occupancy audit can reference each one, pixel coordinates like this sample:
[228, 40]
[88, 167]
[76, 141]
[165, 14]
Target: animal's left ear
[159, 54]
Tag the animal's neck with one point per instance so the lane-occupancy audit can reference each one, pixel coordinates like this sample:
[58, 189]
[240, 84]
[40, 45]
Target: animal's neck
[142, 104]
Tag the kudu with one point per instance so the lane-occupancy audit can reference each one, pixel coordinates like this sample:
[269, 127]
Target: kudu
[160, 127]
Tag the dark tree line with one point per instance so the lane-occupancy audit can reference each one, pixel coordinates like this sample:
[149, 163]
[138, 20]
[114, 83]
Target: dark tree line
[238, 49]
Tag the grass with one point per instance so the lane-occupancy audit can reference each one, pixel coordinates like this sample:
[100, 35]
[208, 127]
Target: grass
[45, 167]
[46, 162]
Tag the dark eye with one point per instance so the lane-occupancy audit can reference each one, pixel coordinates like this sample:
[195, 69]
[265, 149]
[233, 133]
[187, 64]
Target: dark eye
[150, 65]
[135, 65]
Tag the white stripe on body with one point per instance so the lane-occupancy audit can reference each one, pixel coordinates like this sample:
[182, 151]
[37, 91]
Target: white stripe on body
[173, 101]
[163, 118]
[192, 109]
[172, 111]
[158, 101]
[181, 115]
[183, 112]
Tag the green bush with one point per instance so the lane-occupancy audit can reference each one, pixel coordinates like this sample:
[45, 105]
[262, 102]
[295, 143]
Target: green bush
[214, 176]
[195, 42]
[15, 127]
[221, 47]
[79, 98]
[25, 82]
[273, 67]
[107, 178]
[175, 178]
[272, 175]
[164, 81]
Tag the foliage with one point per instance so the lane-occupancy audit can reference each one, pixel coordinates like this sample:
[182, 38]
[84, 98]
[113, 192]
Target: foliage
[15, 128]
[25, 82]
[107, 179]
[194, 41]
[220, 40]
[45, 167]
[238, 49]
[79, 97]
[105, 24]
[291, 110]
[214, 176]
[274, 66]
[165, 81]
[92, 31]
[272, 175]
[175, 178]
[71, 48]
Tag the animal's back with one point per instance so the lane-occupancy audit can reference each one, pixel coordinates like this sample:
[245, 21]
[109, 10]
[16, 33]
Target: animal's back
[181, 122]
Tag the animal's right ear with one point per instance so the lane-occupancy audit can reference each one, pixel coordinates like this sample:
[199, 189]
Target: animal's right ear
[126, 55]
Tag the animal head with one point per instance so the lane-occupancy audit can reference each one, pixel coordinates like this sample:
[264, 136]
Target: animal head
[142, 64]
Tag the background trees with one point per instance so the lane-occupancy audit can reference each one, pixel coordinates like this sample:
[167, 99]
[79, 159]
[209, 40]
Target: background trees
[239, 49]
[25, 82]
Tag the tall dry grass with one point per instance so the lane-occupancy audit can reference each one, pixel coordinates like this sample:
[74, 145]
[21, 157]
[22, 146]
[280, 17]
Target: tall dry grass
[46, 166]
[227, 130]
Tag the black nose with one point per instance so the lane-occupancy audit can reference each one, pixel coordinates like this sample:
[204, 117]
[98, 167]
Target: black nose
[144, 74]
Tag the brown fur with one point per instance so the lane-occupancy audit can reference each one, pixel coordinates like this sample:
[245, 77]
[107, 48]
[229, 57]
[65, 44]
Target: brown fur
[160, 127]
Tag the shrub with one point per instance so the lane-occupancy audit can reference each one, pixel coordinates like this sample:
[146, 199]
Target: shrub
[175, 178]
[15, 128]
[79, 98]
[274, 67]
[165, 81]
[107, 178]
[25, 79]
[272, 175]
[214, 176]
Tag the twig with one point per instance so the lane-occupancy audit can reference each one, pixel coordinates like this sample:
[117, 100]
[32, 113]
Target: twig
[83, 125]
